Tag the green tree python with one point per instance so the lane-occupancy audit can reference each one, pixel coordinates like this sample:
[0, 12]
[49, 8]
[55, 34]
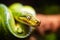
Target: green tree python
[17, 19]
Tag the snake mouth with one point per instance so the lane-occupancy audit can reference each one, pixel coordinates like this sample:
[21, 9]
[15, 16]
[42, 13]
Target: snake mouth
[28, 21]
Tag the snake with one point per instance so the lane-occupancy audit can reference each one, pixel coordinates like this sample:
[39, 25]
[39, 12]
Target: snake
[17, 19]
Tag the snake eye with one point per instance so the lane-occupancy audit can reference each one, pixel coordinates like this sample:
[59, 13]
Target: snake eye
[28, 17]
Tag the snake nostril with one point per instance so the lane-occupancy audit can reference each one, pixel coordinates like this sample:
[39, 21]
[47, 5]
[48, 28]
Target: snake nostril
[38, 23]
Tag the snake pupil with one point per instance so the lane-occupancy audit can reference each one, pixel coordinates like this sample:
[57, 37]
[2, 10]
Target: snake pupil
[28, 17]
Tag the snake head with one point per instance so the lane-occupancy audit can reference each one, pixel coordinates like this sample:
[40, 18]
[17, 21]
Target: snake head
[25, 14]
[28, 16]
[28, 19]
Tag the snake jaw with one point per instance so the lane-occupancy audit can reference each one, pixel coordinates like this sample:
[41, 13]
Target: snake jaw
[29, 21]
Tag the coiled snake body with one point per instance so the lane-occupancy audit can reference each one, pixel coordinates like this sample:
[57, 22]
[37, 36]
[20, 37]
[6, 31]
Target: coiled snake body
[19, 20]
